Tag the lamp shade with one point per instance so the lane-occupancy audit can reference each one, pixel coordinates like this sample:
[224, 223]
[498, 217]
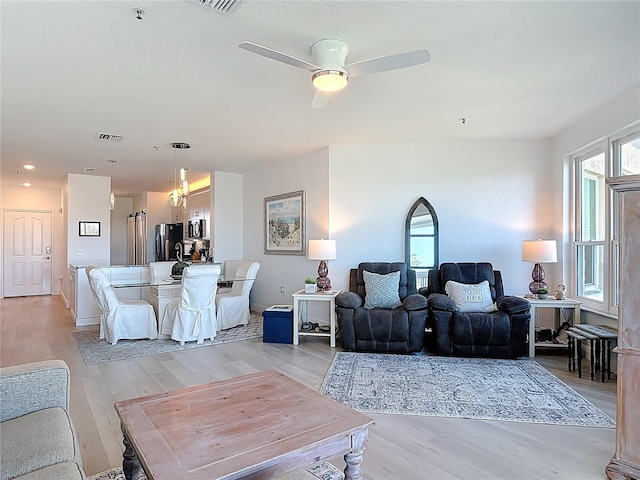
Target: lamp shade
[539, 251]
[322, 250]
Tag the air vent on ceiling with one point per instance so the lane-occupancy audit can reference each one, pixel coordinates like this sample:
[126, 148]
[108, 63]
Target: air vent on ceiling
[89, 170]
[109, 137]
[221, 6]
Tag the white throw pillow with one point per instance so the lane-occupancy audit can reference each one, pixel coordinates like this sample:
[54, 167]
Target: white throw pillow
[381, 291]
[471, 298]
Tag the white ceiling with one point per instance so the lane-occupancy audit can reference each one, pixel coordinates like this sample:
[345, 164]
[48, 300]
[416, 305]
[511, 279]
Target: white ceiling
[71, 69]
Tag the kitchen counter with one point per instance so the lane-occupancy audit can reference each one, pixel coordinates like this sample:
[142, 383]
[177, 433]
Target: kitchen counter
[84, 308]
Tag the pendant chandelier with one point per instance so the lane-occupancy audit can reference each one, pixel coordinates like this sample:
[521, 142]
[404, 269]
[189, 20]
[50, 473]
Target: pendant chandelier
[178, 197]
[112, 196]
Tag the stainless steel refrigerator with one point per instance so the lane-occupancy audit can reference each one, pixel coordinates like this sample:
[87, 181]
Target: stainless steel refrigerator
[137, 239]
[167, 236]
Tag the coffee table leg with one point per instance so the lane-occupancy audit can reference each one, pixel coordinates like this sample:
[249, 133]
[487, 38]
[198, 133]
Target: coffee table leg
[354, 457]
[130, 462]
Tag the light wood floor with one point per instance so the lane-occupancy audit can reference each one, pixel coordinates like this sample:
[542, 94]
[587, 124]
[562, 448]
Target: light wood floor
[400, 447]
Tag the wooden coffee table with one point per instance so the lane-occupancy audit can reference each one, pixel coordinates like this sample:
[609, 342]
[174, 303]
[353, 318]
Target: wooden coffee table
[259, 426]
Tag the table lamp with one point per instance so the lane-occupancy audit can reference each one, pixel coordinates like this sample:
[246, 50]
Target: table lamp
[539, 251]
[322, 250]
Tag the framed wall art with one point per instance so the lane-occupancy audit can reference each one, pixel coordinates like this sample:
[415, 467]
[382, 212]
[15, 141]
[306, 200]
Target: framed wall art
[89, 229]
[284, 224]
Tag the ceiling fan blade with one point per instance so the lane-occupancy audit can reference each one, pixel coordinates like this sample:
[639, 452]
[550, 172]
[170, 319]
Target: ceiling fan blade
[278, 56]
[320, 99]
[389, 62]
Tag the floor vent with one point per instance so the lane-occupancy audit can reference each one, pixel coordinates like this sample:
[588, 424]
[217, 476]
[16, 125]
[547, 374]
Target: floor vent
[109, 137]
[225, 7]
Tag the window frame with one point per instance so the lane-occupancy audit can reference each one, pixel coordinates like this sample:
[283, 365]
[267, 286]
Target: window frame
[610, 147]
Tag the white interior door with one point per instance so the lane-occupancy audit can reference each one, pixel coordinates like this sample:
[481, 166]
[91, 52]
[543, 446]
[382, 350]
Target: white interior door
[27, 253]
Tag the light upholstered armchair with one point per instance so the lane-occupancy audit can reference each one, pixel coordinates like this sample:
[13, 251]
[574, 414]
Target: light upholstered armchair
[38, 439]
[382, 312]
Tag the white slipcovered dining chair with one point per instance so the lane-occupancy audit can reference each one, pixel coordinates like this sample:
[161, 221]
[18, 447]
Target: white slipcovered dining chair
[160, 271]
[97, 295]
[120, 319]
[229, 269]
[233, 306]
[193, 316]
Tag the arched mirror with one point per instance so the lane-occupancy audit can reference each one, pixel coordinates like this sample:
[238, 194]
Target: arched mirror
[421, 240]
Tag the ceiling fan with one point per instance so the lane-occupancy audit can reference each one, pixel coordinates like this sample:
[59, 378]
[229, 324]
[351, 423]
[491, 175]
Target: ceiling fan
[329, 72]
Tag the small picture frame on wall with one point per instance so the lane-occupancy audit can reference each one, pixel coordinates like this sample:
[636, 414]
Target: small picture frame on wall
[89, 229]
[284, 224]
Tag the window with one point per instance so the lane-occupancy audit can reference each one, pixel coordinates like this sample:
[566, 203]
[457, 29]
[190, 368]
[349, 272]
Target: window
[595, 258]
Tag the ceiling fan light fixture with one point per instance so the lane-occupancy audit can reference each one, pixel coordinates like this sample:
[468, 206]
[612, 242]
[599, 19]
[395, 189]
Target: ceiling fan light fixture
[330, 80]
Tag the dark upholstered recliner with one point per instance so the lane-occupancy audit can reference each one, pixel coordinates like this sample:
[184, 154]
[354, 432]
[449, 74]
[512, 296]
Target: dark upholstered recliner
[502, 333]
[394, 330]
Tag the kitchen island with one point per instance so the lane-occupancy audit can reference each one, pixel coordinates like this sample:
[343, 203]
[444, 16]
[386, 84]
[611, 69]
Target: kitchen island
[84, 307]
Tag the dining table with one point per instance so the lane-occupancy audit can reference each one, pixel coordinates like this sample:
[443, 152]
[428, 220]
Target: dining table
[166, 290]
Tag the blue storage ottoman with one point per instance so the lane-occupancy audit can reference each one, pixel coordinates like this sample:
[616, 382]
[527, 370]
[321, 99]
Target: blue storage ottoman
[277, 324]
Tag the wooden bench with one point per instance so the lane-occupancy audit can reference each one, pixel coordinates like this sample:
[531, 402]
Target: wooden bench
[593, 345]
[604, 336]
[575, 344]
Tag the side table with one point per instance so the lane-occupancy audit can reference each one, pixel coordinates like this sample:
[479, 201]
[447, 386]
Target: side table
[300, 300]
[549, 302]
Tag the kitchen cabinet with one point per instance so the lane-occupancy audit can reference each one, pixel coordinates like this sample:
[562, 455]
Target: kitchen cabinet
[198, 208]
[201, 209]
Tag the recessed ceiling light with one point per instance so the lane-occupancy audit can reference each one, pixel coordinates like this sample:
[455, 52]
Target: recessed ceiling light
[28, 167]
[26, 184]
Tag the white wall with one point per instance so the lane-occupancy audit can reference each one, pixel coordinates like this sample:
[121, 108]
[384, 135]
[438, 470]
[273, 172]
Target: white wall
[226, 216]
[42, 199]
[488, 195]
[308, 173]
[88, 200]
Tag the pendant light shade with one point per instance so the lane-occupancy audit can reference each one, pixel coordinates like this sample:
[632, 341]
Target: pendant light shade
[112, 196]
[175, 199]
[186, 190]
[178, 197]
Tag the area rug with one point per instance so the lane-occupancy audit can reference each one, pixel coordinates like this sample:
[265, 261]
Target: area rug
[322, 471]
[488, 389]
[96, 351]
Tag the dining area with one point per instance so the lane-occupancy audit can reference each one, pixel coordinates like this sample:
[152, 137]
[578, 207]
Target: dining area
[193, 306]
